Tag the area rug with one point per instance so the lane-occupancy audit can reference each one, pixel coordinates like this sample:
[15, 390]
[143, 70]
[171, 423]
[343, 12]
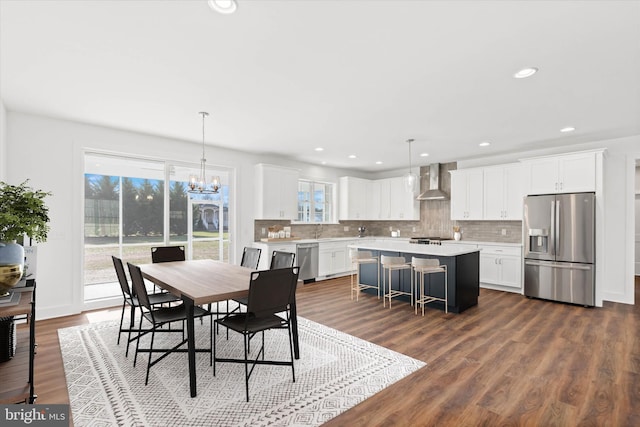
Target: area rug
[335, 372]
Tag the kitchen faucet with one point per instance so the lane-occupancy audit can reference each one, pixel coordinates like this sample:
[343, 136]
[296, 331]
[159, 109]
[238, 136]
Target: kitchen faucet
[318, 230]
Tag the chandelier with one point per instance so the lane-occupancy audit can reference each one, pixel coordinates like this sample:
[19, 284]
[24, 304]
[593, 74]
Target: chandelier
[198, 183]
[410, 179]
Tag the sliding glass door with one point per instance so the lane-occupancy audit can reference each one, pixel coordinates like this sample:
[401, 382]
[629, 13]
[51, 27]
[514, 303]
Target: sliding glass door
[129, 208]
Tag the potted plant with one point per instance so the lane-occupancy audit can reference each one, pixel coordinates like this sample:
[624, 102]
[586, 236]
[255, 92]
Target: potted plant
[22, 212]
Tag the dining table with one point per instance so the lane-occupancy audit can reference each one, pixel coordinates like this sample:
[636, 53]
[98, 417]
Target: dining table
[201, 282]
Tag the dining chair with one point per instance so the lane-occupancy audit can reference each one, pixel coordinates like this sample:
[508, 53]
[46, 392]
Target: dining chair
[130, 299]
[281, 259]
[159, 317]
[251, 257]
[271, 293]
[167, 253]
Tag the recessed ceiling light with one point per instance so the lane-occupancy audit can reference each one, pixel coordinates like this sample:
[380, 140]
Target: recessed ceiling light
[323, 162]
[484, 144]
[378, 162]
[525, 72]
[568, 129]
[352, 156]
[424, 154]
[319, 149]
[226, 7]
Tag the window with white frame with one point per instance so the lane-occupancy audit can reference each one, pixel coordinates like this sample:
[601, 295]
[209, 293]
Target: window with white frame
[315, 201]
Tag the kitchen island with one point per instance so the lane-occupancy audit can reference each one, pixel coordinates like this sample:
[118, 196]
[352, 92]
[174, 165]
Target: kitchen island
[463, 266]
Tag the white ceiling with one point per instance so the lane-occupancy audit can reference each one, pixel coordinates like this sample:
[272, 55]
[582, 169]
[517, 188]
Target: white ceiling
[355, 77]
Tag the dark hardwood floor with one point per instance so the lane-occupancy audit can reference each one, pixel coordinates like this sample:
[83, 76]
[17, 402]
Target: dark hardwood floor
[510, 361]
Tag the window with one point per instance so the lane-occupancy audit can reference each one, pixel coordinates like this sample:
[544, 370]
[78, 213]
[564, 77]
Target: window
[315, 201]
[126, 214]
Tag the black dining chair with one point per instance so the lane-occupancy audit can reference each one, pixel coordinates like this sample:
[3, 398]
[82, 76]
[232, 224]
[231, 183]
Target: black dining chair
[281, 259]
[129, 298]
[167, 253]
[251, 257]
[159, 317]
[271, 293]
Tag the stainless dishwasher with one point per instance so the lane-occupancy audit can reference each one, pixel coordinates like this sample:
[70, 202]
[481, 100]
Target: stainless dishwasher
[307, 257]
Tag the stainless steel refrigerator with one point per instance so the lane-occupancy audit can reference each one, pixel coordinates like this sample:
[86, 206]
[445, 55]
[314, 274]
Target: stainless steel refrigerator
[559, 255]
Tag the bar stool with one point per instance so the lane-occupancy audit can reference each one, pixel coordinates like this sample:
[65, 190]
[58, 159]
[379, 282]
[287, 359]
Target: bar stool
[389, 265]
[422, 267]
[359, 258]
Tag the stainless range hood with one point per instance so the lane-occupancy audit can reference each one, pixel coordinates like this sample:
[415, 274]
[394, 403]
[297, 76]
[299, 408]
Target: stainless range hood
[434, 192]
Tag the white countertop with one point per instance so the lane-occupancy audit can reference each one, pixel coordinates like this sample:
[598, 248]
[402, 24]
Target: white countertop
[395, 245]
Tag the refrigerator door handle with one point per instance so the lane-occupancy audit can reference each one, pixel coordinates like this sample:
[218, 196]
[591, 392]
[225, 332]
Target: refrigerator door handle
[558, 232]
[554, 265]
[552, 242]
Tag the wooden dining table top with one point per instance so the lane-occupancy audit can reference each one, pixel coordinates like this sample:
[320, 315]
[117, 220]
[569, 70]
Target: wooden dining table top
[203, 281]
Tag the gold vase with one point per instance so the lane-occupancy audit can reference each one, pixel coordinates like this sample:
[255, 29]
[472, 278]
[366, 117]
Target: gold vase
[9, 276]
[11, 265]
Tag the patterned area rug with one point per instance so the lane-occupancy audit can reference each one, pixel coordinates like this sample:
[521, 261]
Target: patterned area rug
[336, 371]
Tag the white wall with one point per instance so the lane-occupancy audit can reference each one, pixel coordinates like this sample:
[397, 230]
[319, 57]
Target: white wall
[50, 153]
[617, 283]
[3, 141]
[637, 224]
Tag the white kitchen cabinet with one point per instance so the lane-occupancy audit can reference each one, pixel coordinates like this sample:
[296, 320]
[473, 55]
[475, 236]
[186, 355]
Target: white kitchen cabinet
[384, 187]
[466, 194]
[353, 198]
[501, 265]
[276, 192]
[332, 258]
[375, 200]
[381, 199]
[503, 192]
[569, 173]
[403, 204]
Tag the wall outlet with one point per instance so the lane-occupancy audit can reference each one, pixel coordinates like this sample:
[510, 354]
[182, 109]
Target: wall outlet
[346, 228]
[264, 230]
[504, 231]
[390, 228]
[413, 230]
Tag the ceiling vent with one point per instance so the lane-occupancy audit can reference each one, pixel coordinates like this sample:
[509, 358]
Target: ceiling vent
[433, 192]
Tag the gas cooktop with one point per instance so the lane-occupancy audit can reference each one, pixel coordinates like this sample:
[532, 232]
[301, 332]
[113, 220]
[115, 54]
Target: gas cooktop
[428, 240]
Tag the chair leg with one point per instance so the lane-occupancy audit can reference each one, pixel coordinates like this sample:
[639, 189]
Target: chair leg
[135, 359]
[246, 365]
[153, 334]
[214, 339]
[131, 323]
[211, 340]
[293, 371]
[121, 320]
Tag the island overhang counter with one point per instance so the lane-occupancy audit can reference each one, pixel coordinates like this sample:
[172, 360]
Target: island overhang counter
[463, 270]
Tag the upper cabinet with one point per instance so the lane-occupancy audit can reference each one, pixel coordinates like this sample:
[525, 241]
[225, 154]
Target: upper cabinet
[503, 192]
[276, 192]
[569, 173]
[466, 194]
[353, 198]
[381, 199]
[404, 205]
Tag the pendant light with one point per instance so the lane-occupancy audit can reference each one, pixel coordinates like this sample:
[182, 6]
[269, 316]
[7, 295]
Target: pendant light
[198, 183]
[410, 179]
